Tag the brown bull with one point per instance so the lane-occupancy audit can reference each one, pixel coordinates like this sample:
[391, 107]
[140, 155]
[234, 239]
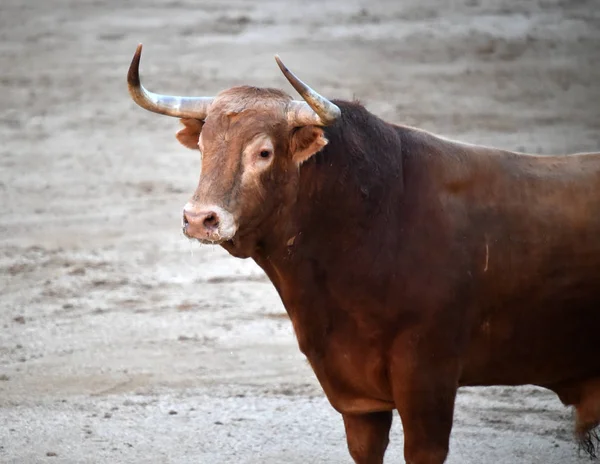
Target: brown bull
[410, 265]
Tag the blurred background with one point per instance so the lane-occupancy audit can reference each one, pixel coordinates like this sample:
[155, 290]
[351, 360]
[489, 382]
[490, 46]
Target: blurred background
[121, 341]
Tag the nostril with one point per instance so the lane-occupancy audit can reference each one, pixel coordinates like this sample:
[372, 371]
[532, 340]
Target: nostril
[211, 220]
[200, 221]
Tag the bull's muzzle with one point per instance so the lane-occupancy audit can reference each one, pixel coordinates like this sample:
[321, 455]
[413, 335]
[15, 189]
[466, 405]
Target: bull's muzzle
[208, 224]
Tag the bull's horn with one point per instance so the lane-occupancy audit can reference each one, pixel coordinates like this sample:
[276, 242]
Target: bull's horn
[323, 111]
[180, 107]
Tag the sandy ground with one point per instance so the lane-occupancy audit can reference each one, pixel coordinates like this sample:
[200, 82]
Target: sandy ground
[122, 342]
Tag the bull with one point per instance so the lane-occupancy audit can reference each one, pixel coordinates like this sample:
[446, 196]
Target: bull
[410, 265]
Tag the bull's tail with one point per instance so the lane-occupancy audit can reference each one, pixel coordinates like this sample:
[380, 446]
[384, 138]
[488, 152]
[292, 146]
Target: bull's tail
[588, 436]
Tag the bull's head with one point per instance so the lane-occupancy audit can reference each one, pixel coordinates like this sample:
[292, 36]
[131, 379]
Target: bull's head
[252, 142]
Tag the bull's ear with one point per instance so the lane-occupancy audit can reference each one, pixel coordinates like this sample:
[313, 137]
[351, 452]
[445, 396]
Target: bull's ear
[190, 134]
[305, 142]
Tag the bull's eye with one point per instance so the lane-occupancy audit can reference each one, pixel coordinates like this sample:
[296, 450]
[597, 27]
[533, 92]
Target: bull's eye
[265, 154]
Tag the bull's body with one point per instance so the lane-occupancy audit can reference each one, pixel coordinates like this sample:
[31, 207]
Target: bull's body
[410, 265]
[425, 264]
[490, 258]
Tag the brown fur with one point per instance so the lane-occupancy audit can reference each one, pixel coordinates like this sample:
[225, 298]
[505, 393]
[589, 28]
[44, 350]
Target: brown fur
[188, 136]
[411, 265]
[305, 142]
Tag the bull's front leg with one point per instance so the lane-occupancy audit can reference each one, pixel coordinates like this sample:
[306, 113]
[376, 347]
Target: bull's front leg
[368, 436]
[424, 391]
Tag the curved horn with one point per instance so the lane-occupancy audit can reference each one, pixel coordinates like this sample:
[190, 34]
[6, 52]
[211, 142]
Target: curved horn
[180, 107]
[323, 111]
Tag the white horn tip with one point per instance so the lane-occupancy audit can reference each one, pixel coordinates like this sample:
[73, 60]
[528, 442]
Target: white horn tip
[282, 66]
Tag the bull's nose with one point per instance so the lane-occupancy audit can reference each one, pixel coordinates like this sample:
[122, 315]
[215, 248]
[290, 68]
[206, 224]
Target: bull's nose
[208, 223]
[200, 220]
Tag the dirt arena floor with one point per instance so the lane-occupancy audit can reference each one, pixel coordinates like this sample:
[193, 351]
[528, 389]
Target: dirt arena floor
[121, 341]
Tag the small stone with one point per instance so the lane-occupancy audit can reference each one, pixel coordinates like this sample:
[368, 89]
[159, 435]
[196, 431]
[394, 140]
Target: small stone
[172, 412]
[4, 378]
[107, 415]
[19, 320]
[51, 454]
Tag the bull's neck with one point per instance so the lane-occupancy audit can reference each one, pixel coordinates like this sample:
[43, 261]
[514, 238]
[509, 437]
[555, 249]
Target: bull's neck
[342, 193]
[310, 252]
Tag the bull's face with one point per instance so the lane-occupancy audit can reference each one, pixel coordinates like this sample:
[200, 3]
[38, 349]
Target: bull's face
[252, 142]
[249, 165]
